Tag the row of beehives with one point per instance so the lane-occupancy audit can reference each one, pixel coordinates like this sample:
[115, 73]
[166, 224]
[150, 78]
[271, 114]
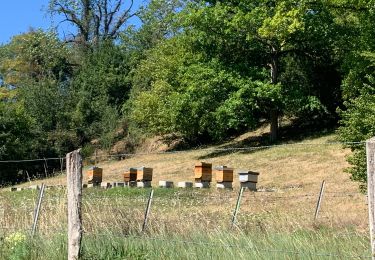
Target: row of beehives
[203, 176]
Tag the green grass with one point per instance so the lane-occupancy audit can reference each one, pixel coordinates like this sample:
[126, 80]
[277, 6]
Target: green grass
[321, 244]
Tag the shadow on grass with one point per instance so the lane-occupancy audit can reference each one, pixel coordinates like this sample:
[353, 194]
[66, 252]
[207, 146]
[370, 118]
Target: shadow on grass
[289, 134]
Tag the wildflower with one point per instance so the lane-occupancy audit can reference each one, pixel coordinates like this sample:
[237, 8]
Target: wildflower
[14, 239]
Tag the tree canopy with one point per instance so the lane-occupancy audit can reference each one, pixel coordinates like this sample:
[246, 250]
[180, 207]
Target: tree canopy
[200, 71]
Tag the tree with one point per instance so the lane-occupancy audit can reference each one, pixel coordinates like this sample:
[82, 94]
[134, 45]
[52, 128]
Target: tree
[159, 22]
[36, 71]
[177, 93]
[101, 86]
[16, 140]
[258, 35]
[357, 123]
[95, 20]
[35, 55]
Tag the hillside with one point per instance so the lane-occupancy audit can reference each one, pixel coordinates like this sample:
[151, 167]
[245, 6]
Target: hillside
[296, 169]
[299, 164]
[282, 211]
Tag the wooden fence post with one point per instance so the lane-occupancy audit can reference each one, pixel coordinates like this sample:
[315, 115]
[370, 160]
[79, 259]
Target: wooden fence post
[370, 153]
[74, 182]
[320, 198]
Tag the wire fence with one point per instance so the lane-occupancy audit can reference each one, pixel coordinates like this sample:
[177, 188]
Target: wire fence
[181, 209]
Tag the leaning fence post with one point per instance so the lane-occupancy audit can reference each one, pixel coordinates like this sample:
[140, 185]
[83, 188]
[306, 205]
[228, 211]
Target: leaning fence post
[370, 153]
[74, 183]
[37, 210]
[321, 193]
[147, 210]
[237, 205]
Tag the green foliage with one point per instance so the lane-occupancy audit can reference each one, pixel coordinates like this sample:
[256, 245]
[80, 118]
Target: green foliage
[178, 93]
[35, 55]
[358, 124]
[16, 140]
[201, 70]
[100, 87]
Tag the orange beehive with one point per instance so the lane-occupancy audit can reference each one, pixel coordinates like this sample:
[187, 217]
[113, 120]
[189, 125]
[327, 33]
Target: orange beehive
[95, 175]
[144, 174]
[130, 175]
[224, 174]
[203, 171]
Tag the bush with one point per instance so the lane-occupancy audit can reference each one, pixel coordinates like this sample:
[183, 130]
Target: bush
[358, 124]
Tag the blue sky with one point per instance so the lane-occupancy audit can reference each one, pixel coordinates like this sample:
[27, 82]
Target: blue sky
[18, 16]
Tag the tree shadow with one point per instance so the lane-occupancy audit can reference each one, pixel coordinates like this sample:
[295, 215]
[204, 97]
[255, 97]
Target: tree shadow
[296, 131]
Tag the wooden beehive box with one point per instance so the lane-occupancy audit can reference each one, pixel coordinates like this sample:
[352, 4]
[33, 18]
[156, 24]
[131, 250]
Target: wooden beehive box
[144, 174]
[203, 171]
[130, 175]
[95, 175]
[224, 174]
[248, 176]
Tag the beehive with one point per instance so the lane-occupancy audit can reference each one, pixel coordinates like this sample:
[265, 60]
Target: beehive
[166, 184]
[95, 175]
[203, 184]
[144, 184]
[144, 174]
[224, 185]
[249, 185]
[224, 174]
[203, 171]
[130, 175]
[185, 184]
[248, 176]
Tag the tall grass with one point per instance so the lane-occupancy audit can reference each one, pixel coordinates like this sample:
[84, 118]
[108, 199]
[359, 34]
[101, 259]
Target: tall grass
[184, 224]
[322, 244]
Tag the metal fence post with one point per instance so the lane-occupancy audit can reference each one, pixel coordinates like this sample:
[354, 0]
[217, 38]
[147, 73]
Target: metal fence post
[37, 210]
[147, 210]
[238, 204]
[320, 198]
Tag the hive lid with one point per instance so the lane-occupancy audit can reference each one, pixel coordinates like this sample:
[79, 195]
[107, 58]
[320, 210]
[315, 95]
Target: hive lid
[223, 168]
[142, 168]
[203, 164]
[130, 169]
[244, 172]
[93, 168]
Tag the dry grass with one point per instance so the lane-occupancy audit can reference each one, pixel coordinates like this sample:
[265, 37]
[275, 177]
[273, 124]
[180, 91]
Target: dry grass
[289, 183]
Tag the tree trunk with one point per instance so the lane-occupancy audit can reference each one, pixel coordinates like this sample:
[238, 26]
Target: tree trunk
[274, 121]
[274, 113]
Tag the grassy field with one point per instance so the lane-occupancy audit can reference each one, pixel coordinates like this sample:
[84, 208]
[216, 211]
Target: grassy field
[277, 222]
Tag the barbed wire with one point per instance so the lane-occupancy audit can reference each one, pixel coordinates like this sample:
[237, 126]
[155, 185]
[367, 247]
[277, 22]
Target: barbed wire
[189, 150]
[257, 196]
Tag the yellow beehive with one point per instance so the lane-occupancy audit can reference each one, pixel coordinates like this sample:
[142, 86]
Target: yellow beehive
[203, 171]
[130, 175]
[224, 174]
[144, 174]
[95, 175]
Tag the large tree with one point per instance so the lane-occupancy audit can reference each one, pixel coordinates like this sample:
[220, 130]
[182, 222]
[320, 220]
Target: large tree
[259, 35]
[95, 20]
